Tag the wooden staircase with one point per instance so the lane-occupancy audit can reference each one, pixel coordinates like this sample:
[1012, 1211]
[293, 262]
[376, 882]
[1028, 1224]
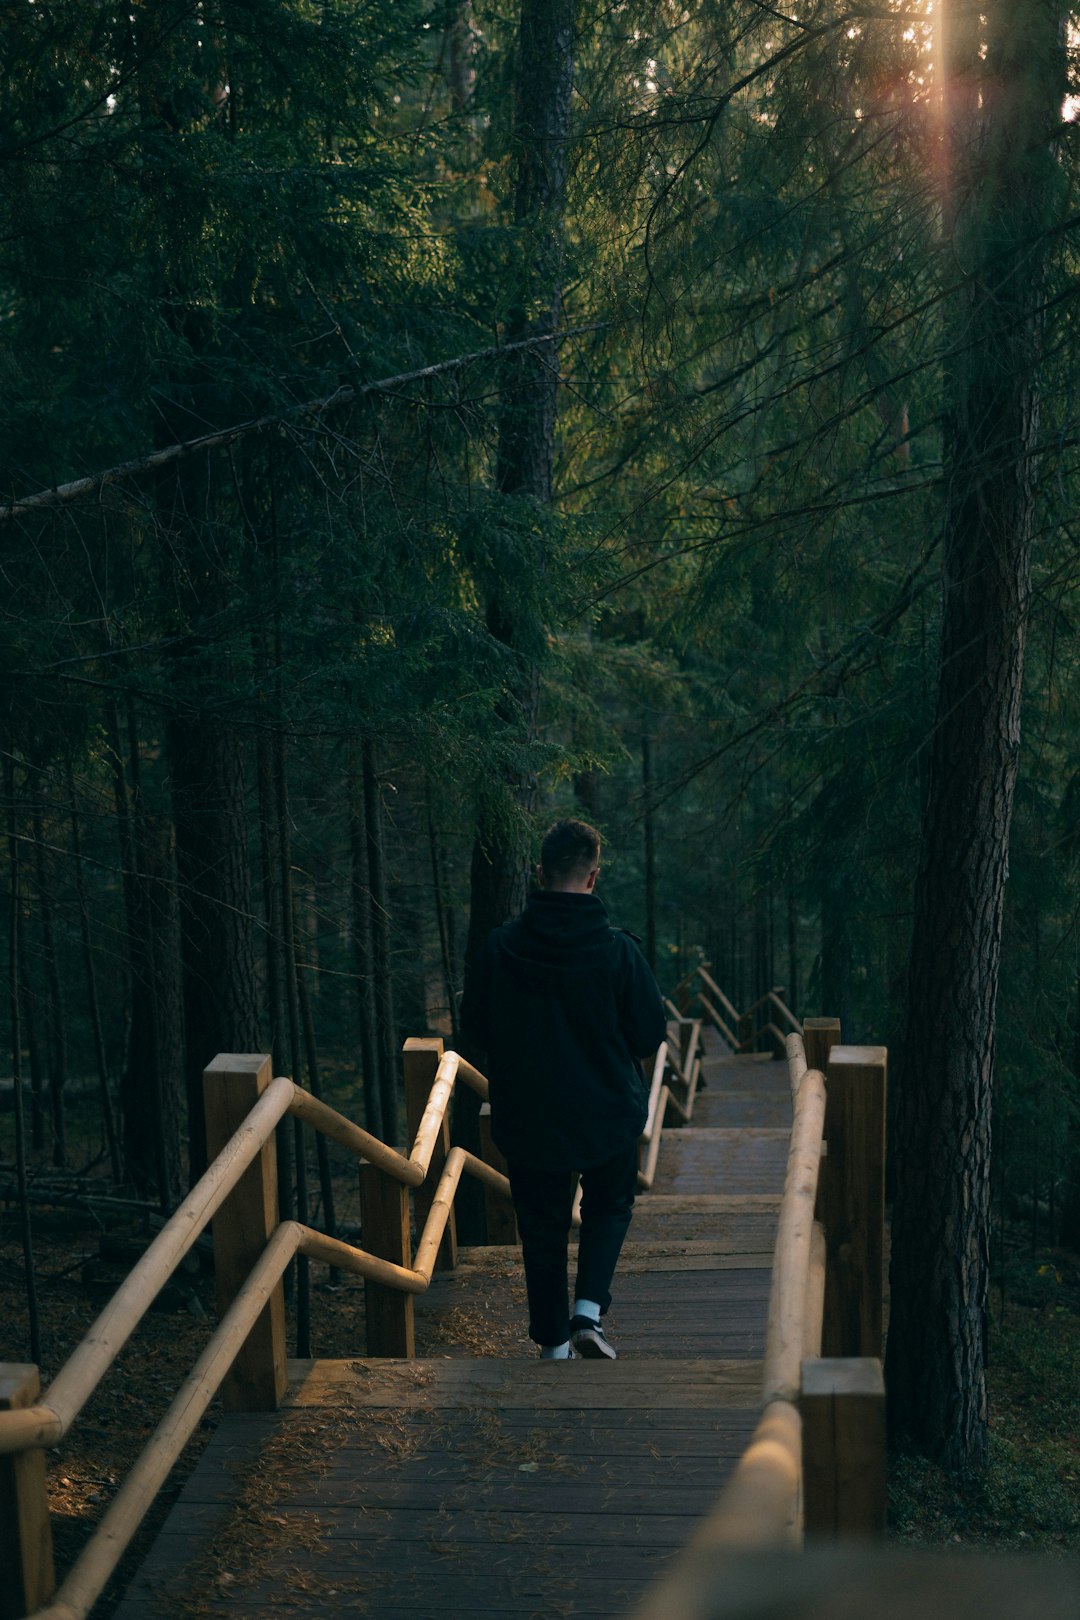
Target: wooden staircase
[480, 1481]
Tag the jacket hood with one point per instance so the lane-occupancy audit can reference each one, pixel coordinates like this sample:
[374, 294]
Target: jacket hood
[559, 939]
[557, 918]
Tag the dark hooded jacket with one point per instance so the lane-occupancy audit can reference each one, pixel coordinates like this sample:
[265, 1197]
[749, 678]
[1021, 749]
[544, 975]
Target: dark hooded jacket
[564, 1006]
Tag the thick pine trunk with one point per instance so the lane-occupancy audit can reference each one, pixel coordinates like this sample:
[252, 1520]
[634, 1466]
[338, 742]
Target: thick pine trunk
[524, 457]
[360, 898]
[108, 1119]
[56, 1047]
[526, 444]
[218, 954]
[649, 831]
[1003, 186]
[381, 972]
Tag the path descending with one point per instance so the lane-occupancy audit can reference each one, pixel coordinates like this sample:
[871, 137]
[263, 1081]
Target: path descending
[478, 1480]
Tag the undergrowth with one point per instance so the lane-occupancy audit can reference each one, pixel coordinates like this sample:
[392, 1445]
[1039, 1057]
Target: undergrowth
[1028, 1496]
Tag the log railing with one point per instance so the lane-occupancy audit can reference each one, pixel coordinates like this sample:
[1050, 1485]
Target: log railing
[741, 1031]
[816, 1459]
[245, 1357]
[815, 1467]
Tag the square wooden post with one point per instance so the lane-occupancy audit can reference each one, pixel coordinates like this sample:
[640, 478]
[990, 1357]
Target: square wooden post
[384, 1217]
[851, 1202]
[26, 1557]
[232, 1085]
[499, 1211]
[843, 1421]
[820, 1035]
[421, 1057]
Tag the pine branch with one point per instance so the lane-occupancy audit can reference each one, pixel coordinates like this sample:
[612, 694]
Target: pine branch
[61, 494]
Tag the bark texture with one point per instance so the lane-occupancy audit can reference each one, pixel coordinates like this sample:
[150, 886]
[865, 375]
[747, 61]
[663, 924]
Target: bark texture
[526, 445]
[524, 457]
[1003, 188]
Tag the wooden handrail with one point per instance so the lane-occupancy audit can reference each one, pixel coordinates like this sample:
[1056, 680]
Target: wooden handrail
[785, 1012]
[729, 1034]
[711, 984]
[794, 1237]
[771, 998]
[87, 1577]
[654, 1123]
[737, 1028]
[759, 1506]
[48, 1420]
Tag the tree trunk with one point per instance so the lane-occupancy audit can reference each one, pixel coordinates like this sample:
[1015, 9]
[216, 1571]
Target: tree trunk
[524, 460]
[443, 921]
[380, 946]
[30, 1008]
[650, 851]
[1069, 1234]
[56, 1044]
[107, 1115]
[218, 950]
[1003, 187]
[152, 1089]
[541, 146]
[361, 943]
[15, 1003]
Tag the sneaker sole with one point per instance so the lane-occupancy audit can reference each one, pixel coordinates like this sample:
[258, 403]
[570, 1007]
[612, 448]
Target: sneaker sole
[592, 1348]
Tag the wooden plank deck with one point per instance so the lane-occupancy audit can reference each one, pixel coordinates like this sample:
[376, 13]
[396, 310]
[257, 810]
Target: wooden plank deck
[478, 1480]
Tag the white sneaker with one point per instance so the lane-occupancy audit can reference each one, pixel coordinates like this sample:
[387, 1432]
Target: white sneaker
[587, 1338]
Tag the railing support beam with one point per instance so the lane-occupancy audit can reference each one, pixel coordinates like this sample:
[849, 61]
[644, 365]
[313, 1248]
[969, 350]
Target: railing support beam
[843, 1426]
[232, 1085]
[26, 1559]
[421, 1057]
[851, 1202]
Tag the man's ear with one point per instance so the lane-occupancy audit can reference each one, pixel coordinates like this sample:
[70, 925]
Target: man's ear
[540, 875]
[593, 875]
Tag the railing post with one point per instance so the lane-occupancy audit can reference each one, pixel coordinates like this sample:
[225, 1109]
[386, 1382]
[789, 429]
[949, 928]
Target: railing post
[384, 1217]
[820, 1035]
[421, 1057]
[851, 1203]
[498, 1211]
[843, 1429]
[26, 1564]
[745, 1031]
[232, 1085]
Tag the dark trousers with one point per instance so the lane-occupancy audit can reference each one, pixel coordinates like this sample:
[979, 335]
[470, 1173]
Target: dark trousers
[544, 1204]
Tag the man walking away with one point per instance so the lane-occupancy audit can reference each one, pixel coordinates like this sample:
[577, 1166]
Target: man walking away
[565, 1006]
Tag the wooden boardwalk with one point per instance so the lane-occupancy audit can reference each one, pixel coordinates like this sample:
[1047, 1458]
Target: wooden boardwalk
[478, 1480]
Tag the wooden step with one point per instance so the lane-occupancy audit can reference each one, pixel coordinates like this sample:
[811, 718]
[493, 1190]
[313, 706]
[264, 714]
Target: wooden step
[713, 1161]
[481, 1384]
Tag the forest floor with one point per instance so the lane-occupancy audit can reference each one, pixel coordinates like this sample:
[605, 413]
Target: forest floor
[1028, 1497]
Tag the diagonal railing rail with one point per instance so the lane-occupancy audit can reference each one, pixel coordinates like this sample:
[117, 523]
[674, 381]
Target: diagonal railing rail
[238, 1181]
[245, 1356]
[741, 1031]
[815, 1465]
[826, 1293]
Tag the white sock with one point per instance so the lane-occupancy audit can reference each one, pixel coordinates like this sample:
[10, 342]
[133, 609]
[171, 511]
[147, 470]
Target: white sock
[586, 1307]
[555, 1352]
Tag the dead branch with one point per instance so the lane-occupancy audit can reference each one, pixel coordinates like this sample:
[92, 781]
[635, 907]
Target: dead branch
[61, 494]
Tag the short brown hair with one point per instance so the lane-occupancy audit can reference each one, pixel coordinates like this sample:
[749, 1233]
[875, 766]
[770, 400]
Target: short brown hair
[569, 847]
